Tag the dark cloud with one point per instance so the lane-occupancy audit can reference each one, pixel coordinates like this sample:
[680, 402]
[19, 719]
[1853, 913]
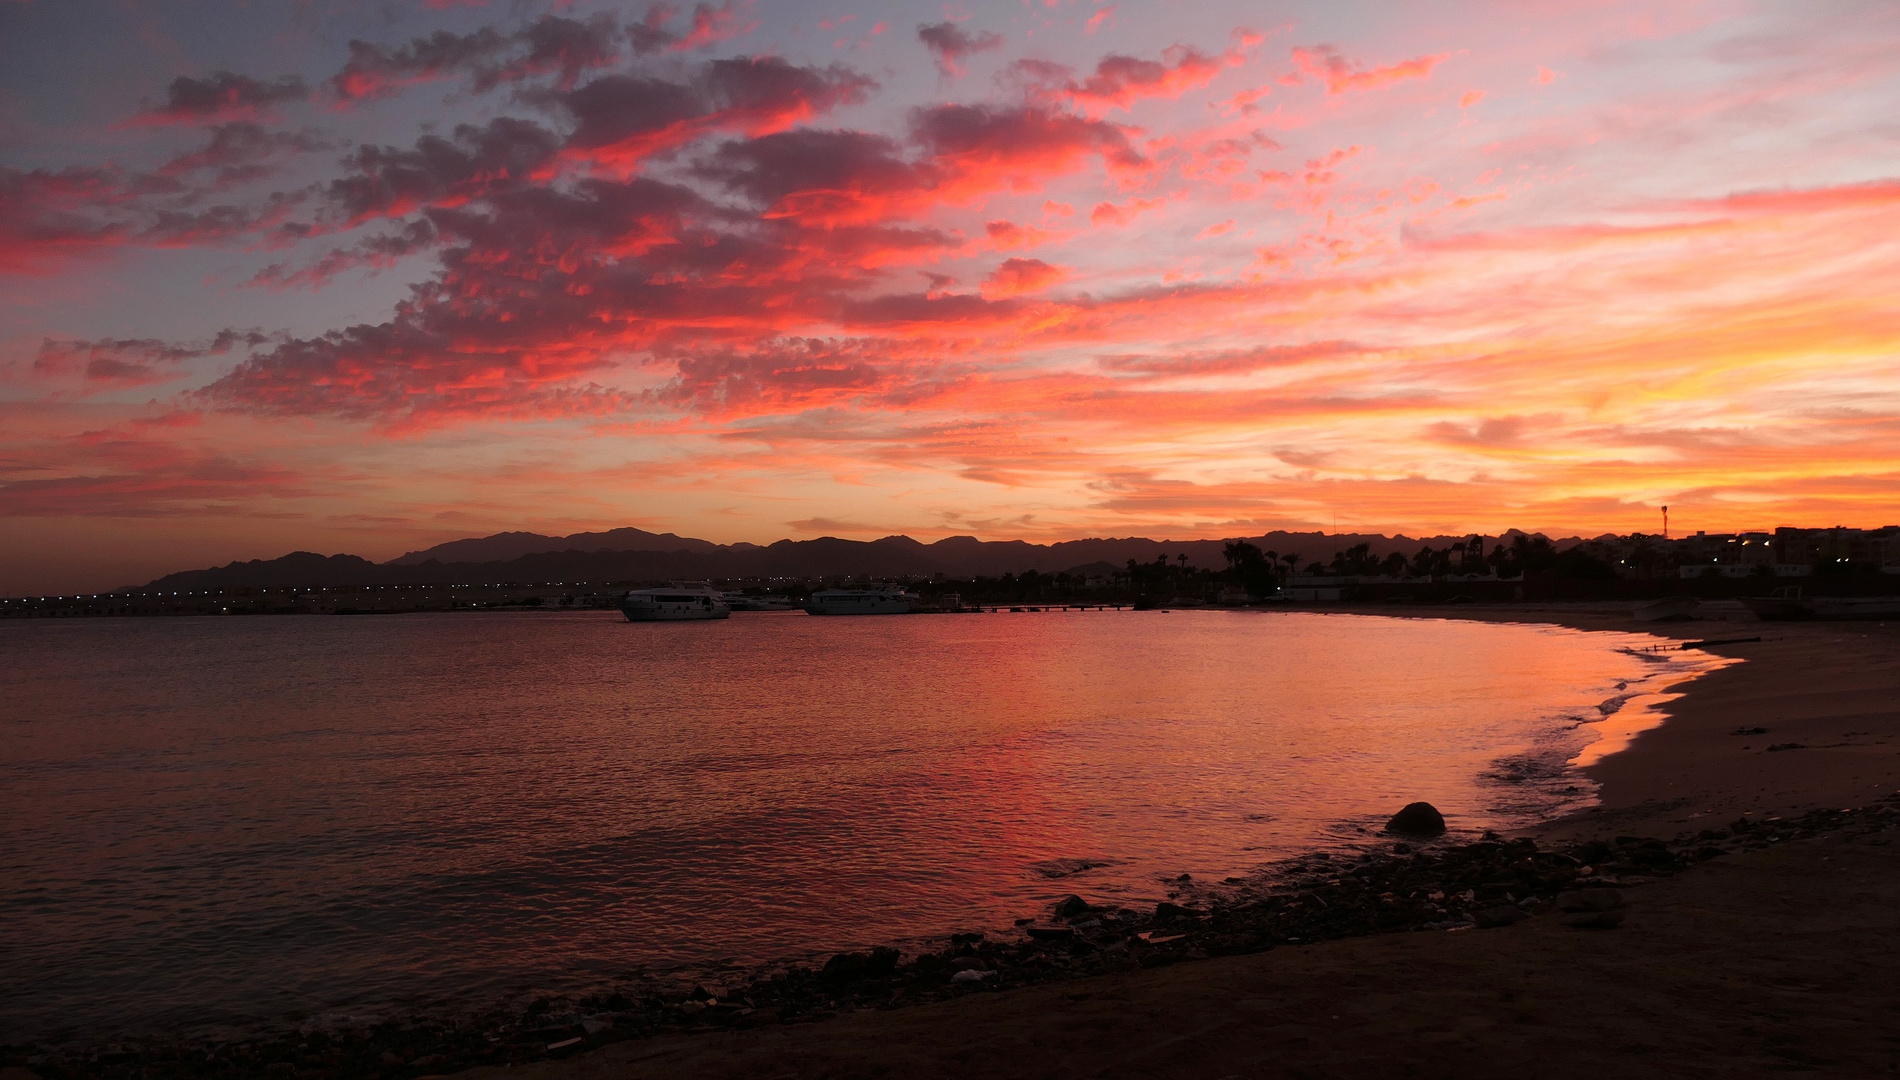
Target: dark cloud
[951, 44]
[708, 25]
[650, 34]
[384, 181]
[48, 217]
[789, 373]
[373, 71]
[852, 164]
[240, 153]
[623, 119]
[556, 44]
[379, 251]
[124, 362]
[222, 97]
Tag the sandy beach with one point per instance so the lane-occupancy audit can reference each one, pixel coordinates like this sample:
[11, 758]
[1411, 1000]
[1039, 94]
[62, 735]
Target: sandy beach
[1770, 959]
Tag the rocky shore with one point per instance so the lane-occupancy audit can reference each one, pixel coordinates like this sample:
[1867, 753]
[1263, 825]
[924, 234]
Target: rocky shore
[1393, 887]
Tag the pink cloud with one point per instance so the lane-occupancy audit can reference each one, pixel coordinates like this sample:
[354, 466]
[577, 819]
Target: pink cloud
[1107, 213]
[1118, 82]
[1324, 63]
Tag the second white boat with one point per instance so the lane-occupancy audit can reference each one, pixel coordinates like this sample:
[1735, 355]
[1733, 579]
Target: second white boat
[883, 600]
[676, 603]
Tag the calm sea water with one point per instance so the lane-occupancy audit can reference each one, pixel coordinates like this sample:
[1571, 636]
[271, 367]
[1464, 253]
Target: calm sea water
[240, 820]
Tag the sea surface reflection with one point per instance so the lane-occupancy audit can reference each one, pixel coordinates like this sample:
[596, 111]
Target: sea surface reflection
[233, 820]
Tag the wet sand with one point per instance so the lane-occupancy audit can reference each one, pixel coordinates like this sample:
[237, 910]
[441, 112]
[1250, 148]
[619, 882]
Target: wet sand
[1770, 960]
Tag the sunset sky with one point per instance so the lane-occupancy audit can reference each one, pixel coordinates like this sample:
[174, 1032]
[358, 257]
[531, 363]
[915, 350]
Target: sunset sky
[365, 276]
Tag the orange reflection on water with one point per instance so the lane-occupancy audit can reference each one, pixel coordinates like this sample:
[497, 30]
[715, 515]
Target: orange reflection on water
[250, 816]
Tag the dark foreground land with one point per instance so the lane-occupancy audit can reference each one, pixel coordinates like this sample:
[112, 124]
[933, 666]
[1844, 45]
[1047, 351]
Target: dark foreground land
[1780, 960]
[1756, 934]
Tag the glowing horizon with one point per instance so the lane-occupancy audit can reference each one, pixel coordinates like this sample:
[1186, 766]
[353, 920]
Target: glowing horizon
[384, 275]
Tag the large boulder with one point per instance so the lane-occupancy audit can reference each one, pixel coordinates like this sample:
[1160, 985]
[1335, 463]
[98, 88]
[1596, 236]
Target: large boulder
[1417, 819]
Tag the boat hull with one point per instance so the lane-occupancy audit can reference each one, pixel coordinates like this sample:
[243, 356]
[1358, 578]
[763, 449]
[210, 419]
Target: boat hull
[875, 607]
[638, 614]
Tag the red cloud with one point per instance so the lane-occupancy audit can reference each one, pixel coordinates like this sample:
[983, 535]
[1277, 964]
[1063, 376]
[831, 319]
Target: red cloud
[826, 179]
[1325, 64]
[1017, 277]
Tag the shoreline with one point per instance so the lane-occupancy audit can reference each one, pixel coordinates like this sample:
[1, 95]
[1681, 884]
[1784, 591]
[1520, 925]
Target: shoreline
[1671, 781]
[1694, 766]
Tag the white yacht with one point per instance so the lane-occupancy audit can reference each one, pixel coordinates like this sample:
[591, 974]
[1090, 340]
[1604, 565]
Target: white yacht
[878, 600]
[675, 602]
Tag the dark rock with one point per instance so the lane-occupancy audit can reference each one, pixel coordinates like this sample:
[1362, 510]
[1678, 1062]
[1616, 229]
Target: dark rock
[1050, 933]
[882, 963]
[1165, 910]
[1070, 906]
[968, 963]
[1417, 819]
[845, 967]
[1787, 746]
[1596, 920]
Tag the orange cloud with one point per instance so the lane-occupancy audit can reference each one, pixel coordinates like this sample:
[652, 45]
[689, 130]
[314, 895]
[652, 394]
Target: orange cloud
[1017, 277]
